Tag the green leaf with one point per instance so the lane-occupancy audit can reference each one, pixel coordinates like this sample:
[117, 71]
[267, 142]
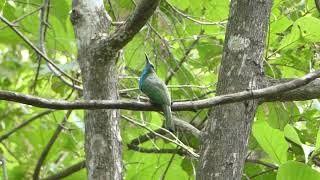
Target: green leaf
[293, 170]
[291, 134]
[181, 4]
[187, 166]
[278, 116]
[305, 29]
[309, 27]
[272, 141]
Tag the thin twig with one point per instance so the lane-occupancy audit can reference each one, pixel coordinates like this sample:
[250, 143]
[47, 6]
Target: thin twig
[46, 150]
[111, 10]
[21, 18]
[173, 87]
[192, 19]
[175, 141]
[156, 151]
[28, 3]
[68, 171]
[23, 124]
[184, 58]
[44, 14]
[163, 40]
[168, 166]
[151, 135]
[57, 68]
[263, 172]
[269, 165]
[146, 137]
[4, 167]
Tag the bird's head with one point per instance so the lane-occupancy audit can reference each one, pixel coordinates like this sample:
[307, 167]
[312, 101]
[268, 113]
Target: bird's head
[149, 66]
[148, 70]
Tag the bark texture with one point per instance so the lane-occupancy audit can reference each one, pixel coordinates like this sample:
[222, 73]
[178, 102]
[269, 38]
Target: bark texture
[226, 134]
[99, 76]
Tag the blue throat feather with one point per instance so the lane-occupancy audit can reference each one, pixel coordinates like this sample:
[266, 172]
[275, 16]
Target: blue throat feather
[144, 74]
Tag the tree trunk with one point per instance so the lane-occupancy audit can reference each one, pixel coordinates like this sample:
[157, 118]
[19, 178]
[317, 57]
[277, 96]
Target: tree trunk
[99, 75]
[226, 134]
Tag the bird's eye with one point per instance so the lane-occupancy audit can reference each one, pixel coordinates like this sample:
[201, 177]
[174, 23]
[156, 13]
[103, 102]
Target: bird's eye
[152, 66]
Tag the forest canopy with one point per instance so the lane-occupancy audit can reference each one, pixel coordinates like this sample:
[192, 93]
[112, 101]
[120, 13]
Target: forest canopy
[186, 41]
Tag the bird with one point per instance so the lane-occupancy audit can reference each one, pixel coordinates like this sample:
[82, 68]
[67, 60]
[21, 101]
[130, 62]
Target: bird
[156, 90]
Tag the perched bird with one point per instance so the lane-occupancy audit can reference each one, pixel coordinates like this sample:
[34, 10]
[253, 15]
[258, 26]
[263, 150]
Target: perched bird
[151, 85]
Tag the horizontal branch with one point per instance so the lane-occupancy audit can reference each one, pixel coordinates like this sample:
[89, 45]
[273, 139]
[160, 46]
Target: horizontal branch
[156, 151]
[307, 92]
[265, 93]
[125, 32]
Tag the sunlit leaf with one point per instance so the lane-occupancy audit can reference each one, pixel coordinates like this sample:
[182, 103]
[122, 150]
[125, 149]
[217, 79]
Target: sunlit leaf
[272, 141]
[296, 171]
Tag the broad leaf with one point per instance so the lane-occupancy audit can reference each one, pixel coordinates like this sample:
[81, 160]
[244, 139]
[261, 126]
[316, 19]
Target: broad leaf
[272, 141]
[293, 170]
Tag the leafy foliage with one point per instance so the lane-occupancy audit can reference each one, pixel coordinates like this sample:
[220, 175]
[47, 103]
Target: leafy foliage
[284, 134]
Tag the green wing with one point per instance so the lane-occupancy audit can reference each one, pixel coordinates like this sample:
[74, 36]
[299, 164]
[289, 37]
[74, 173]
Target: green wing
[156, 90]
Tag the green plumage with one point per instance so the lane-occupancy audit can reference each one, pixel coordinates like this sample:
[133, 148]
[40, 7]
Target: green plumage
[151, 85]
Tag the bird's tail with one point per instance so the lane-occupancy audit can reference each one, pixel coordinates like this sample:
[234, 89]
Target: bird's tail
[168, 118]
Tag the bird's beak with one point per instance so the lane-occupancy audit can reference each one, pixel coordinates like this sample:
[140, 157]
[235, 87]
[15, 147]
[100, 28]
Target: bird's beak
[147, 58]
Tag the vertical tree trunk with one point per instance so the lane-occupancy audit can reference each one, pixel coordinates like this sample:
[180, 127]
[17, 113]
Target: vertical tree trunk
[99, 75]
[229, 126]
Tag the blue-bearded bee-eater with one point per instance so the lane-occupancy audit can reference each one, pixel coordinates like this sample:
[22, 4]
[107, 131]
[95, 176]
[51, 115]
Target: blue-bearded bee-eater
[156, 90]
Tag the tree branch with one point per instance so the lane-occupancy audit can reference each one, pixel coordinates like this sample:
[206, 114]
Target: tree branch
[46, 150]
[4, 167]
[309, 91]
[22, 17]
[9, 133]
[174, 141]
[317, 2]
[168, 166]
[125, 32]
[184, 58]
[192, 19]
[263, 172]
[255, 161]
[39, 52]
[185, 126]
[68, 171]
[146, 137]
[268, 94]
[44, 16]
[181, 152]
